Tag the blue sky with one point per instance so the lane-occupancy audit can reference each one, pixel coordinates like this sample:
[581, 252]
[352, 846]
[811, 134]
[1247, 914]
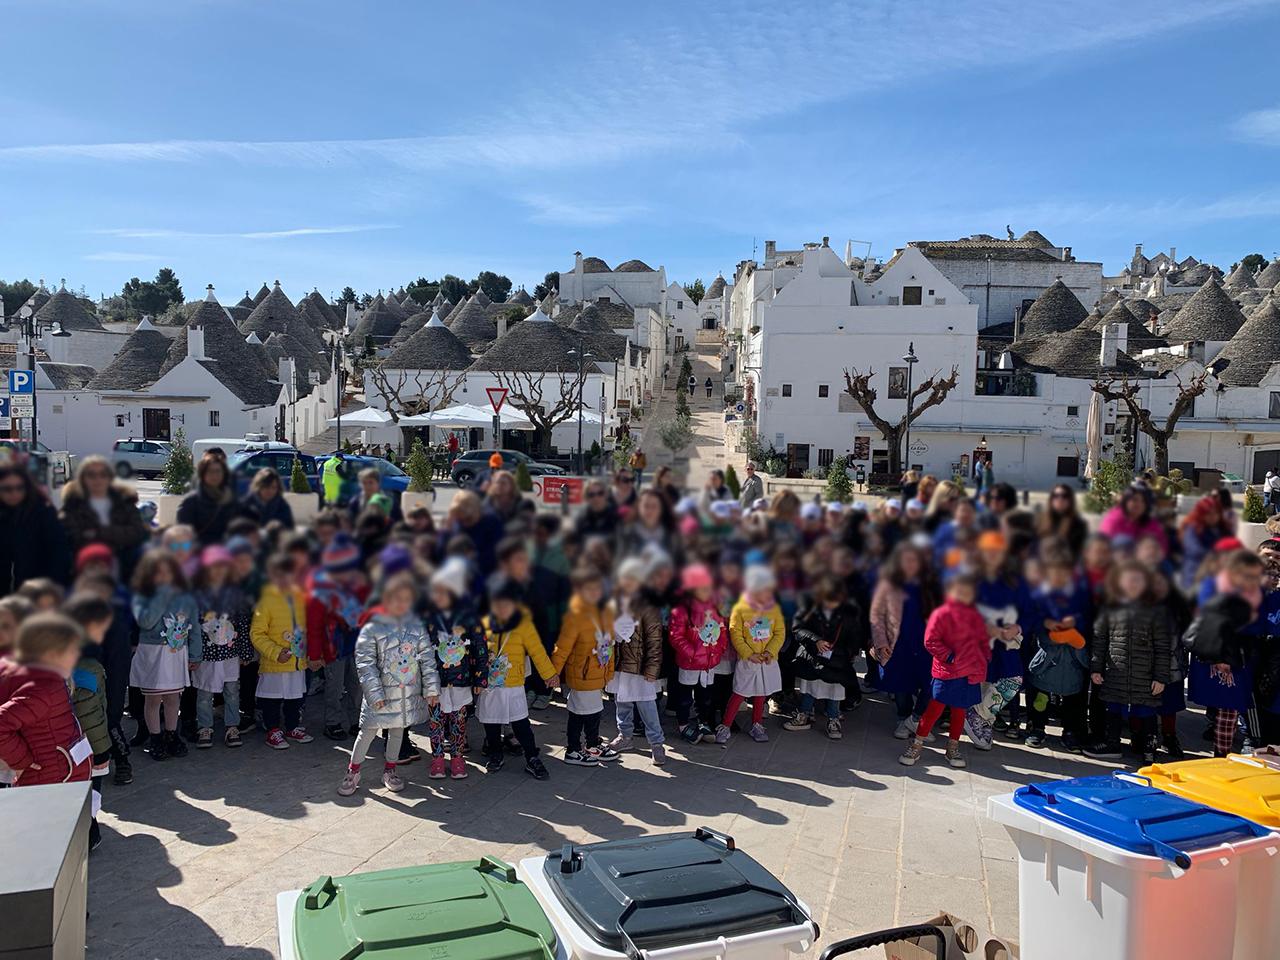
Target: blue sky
[332, 143]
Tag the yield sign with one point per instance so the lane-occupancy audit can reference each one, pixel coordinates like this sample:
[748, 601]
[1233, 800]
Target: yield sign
[497, 397]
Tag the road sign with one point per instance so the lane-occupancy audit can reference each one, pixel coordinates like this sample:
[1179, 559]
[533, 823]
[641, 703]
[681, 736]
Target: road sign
[552, 487]
[6, 423]
[739, 407]
[22, 405]
[497, 397]
[21, 381]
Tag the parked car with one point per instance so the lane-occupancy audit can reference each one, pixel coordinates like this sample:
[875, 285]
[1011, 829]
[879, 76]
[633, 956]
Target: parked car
[469, 463]
[230, 445]
[245, 463]
[143, 457]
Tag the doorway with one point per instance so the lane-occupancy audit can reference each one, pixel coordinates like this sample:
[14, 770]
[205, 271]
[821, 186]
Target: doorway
[155, 423]
[797, 459]
[1264, 460]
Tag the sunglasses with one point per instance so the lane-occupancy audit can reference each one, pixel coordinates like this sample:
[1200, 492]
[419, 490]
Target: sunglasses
[595, 494]
[626, 480]
[182, 545]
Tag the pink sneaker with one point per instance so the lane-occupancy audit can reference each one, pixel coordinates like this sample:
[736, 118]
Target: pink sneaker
[276, 740]
[437, 768]
[299, 735]
[458, 768]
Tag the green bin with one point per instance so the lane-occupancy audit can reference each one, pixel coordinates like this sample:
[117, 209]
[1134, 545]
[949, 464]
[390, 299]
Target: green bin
[476, 910]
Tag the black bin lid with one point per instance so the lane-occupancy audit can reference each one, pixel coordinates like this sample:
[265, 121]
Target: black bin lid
[668, 890]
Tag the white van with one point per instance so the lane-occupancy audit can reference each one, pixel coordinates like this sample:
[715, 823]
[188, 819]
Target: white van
[250, 441]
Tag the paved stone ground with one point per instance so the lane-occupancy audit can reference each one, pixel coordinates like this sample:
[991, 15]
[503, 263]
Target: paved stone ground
[196, 849]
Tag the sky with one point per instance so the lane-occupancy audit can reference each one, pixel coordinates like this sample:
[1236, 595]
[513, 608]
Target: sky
[332, 143]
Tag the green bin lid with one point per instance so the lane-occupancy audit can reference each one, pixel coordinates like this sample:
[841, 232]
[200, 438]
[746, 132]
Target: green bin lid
[448, 911]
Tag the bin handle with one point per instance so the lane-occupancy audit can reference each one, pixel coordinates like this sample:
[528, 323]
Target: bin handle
[507, 871]
[568, 858]
[706, 833]
[1126, 775]
[882, 937]
[319, 886]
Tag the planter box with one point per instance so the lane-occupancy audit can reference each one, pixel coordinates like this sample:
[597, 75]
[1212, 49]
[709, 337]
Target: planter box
[167, 508]
[305, 506]
[410, 500]
[1252, 534]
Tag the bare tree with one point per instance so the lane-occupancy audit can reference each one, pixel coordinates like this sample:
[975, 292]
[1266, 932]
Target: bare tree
[547, 399]
[933, 390]
[410, 392]
[1122, 390]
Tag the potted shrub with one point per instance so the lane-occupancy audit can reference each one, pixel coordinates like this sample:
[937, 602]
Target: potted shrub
[1252, 529]
[524, 482]
[175, 480]
[302, 500]
[421, 492]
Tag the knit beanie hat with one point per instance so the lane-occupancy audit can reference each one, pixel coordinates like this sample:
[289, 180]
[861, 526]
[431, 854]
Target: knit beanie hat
[695, 576]
[341, 554]
[757, 578]
[632, 568]
[394, 558]
[213, 554]
[452, 576]
[94, 553]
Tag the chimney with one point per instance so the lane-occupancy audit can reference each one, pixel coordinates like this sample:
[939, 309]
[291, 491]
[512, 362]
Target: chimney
[502, 325]
[285, 371]
[1066, 254]
[350, 319]
[770, 249]
[1173, 254]
[1108, 358]
[1137, 250]
[195, 343]
[826, 241]
[1122, 338]
[208, 292]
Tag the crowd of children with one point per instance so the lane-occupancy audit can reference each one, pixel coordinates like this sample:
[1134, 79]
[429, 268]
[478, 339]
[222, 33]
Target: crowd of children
[980, 618]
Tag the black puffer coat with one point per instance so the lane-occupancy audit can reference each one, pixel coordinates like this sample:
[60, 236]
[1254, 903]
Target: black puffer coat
[1132, 646]
[843, 630]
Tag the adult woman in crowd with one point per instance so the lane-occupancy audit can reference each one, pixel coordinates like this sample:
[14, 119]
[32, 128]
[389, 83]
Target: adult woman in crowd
[32, 541]
[1200, 529]
[942, 503]
[784, 519]
[265, 500]
[666, 483]
[1134, 517]
[600, 518]
[212, 504]
[503, 496]
[98, 508]
[652, 524]
[1061, 520]
[624, 489]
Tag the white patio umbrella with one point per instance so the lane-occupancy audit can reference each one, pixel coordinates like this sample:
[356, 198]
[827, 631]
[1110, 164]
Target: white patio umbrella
[368, 417]
[462, 416]
[1093, 437]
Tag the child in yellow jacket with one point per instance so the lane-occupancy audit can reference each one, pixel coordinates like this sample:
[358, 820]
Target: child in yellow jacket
[511, 637]
[757, 631]
[585, 653]
[279, 634]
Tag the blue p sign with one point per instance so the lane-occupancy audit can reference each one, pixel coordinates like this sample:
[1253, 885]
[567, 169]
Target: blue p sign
[21, 381]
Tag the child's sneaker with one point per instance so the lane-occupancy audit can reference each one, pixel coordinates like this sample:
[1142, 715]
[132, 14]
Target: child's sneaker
[335, 731]
[723, 734]
[620, 744]
[174, 743]
[579, 758]
[232, 737]
[910, 755]
[535, 768]
[1013, 731]
[1149, 750]
[833, 730]
[903, 730]
[1035, 740]
[913, 724]
[953, 754]
[276, 740]
[204, 738]
[437, 768]
[299, 735]
[758, 734]
[801, 721]
[605, 753]
[979, 731]
[1070, 744]
[156, 748]
[689, 733]
[457, 768]
[1172, 747]
[495, 762]
[124, 772]
[1104, 751]
[391, 780]
[659, 753]
[706, 734]
[350, 783]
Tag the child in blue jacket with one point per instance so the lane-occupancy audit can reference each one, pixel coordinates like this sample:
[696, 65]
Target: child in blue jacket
[1060, 665]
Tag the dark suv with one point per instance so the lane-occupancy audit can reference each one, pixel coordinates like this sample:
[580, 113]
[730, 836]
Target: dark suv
[472, 462]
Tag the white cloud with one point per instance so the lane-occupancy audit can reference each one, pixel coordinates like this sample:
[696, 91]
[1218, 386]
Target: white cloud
[558, 210]
[1260, 126]
[143, 233]
[121, 256]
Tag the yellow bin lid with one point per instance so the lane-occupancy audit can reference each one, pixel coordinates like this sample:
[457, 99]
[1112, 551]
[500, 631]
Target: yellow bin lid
[1236, 784]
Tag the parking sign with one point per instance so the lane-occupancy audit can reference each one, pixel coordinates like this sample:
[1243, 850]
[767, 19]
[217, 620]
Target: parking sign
[5, 422]
[21, 381]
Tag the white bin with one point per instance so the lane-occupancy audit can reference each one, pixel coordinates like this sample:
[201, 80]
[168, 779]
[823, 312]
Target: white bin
[1083, 899]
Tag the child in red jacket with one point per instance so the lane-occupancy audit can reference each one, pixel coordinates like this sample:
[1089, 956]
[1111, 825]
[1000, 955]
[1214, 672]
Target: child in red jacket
[959, 641]
[699, 637]
[40, 740]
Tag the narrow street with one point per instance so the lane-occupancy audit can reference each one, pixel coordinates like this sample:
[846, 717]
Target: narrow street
[706, 452]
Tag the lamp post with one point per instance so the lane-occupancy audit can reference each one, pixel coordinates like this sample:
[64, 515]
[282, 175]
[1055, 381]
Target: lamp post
[581, 353]
[32, 330]
[910, 359]
[340, 376]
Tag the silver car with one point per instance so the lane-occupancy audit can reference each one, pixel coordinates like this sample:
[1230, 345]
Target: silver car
[145, 457]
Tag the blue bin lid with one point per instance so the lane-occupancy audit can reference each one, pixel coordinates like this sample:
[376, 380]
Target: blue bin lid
[1135, 816]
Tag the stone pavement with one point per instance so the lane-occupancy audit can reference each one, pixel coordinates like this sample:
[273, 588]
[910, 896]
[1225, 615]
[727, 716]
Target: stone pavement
[196, 849]
[695, 463]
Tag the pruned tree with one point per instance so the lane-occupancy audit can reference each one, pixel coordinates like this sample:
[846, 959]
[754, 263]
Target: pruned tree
[696, 291]
[928, 393]
[547, 399]
[1122, 390]
[550, 284]
[410, 392]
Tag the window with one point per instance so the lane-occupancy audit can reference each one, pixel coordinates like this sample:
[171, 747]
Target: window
[824, 390]
[215, 418]
[120, 419]
[1073, 411]
[897, 383]
[911, 296]
[679, 304]
[825, 457]
[786, 389]
[1273, 411]
[1068, 466]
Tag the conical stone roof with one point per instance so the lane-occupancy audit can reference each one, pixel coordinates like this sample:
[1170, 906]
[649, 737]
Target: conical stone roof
[1056, 310]
[66, 309]
[233, 362]
[1241, 277]
[1254, 348]
[261, 295]
[1210, 314]
[377, 322]
[471, 324]
[534, 345]
[433, 347]
[138, 362]
[1270, 275]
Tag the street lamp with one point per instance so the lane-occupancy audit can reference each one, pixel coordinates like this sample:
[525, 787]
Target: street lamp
[910, 359]
[583, 355]
[340, 375]
[32, 330]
